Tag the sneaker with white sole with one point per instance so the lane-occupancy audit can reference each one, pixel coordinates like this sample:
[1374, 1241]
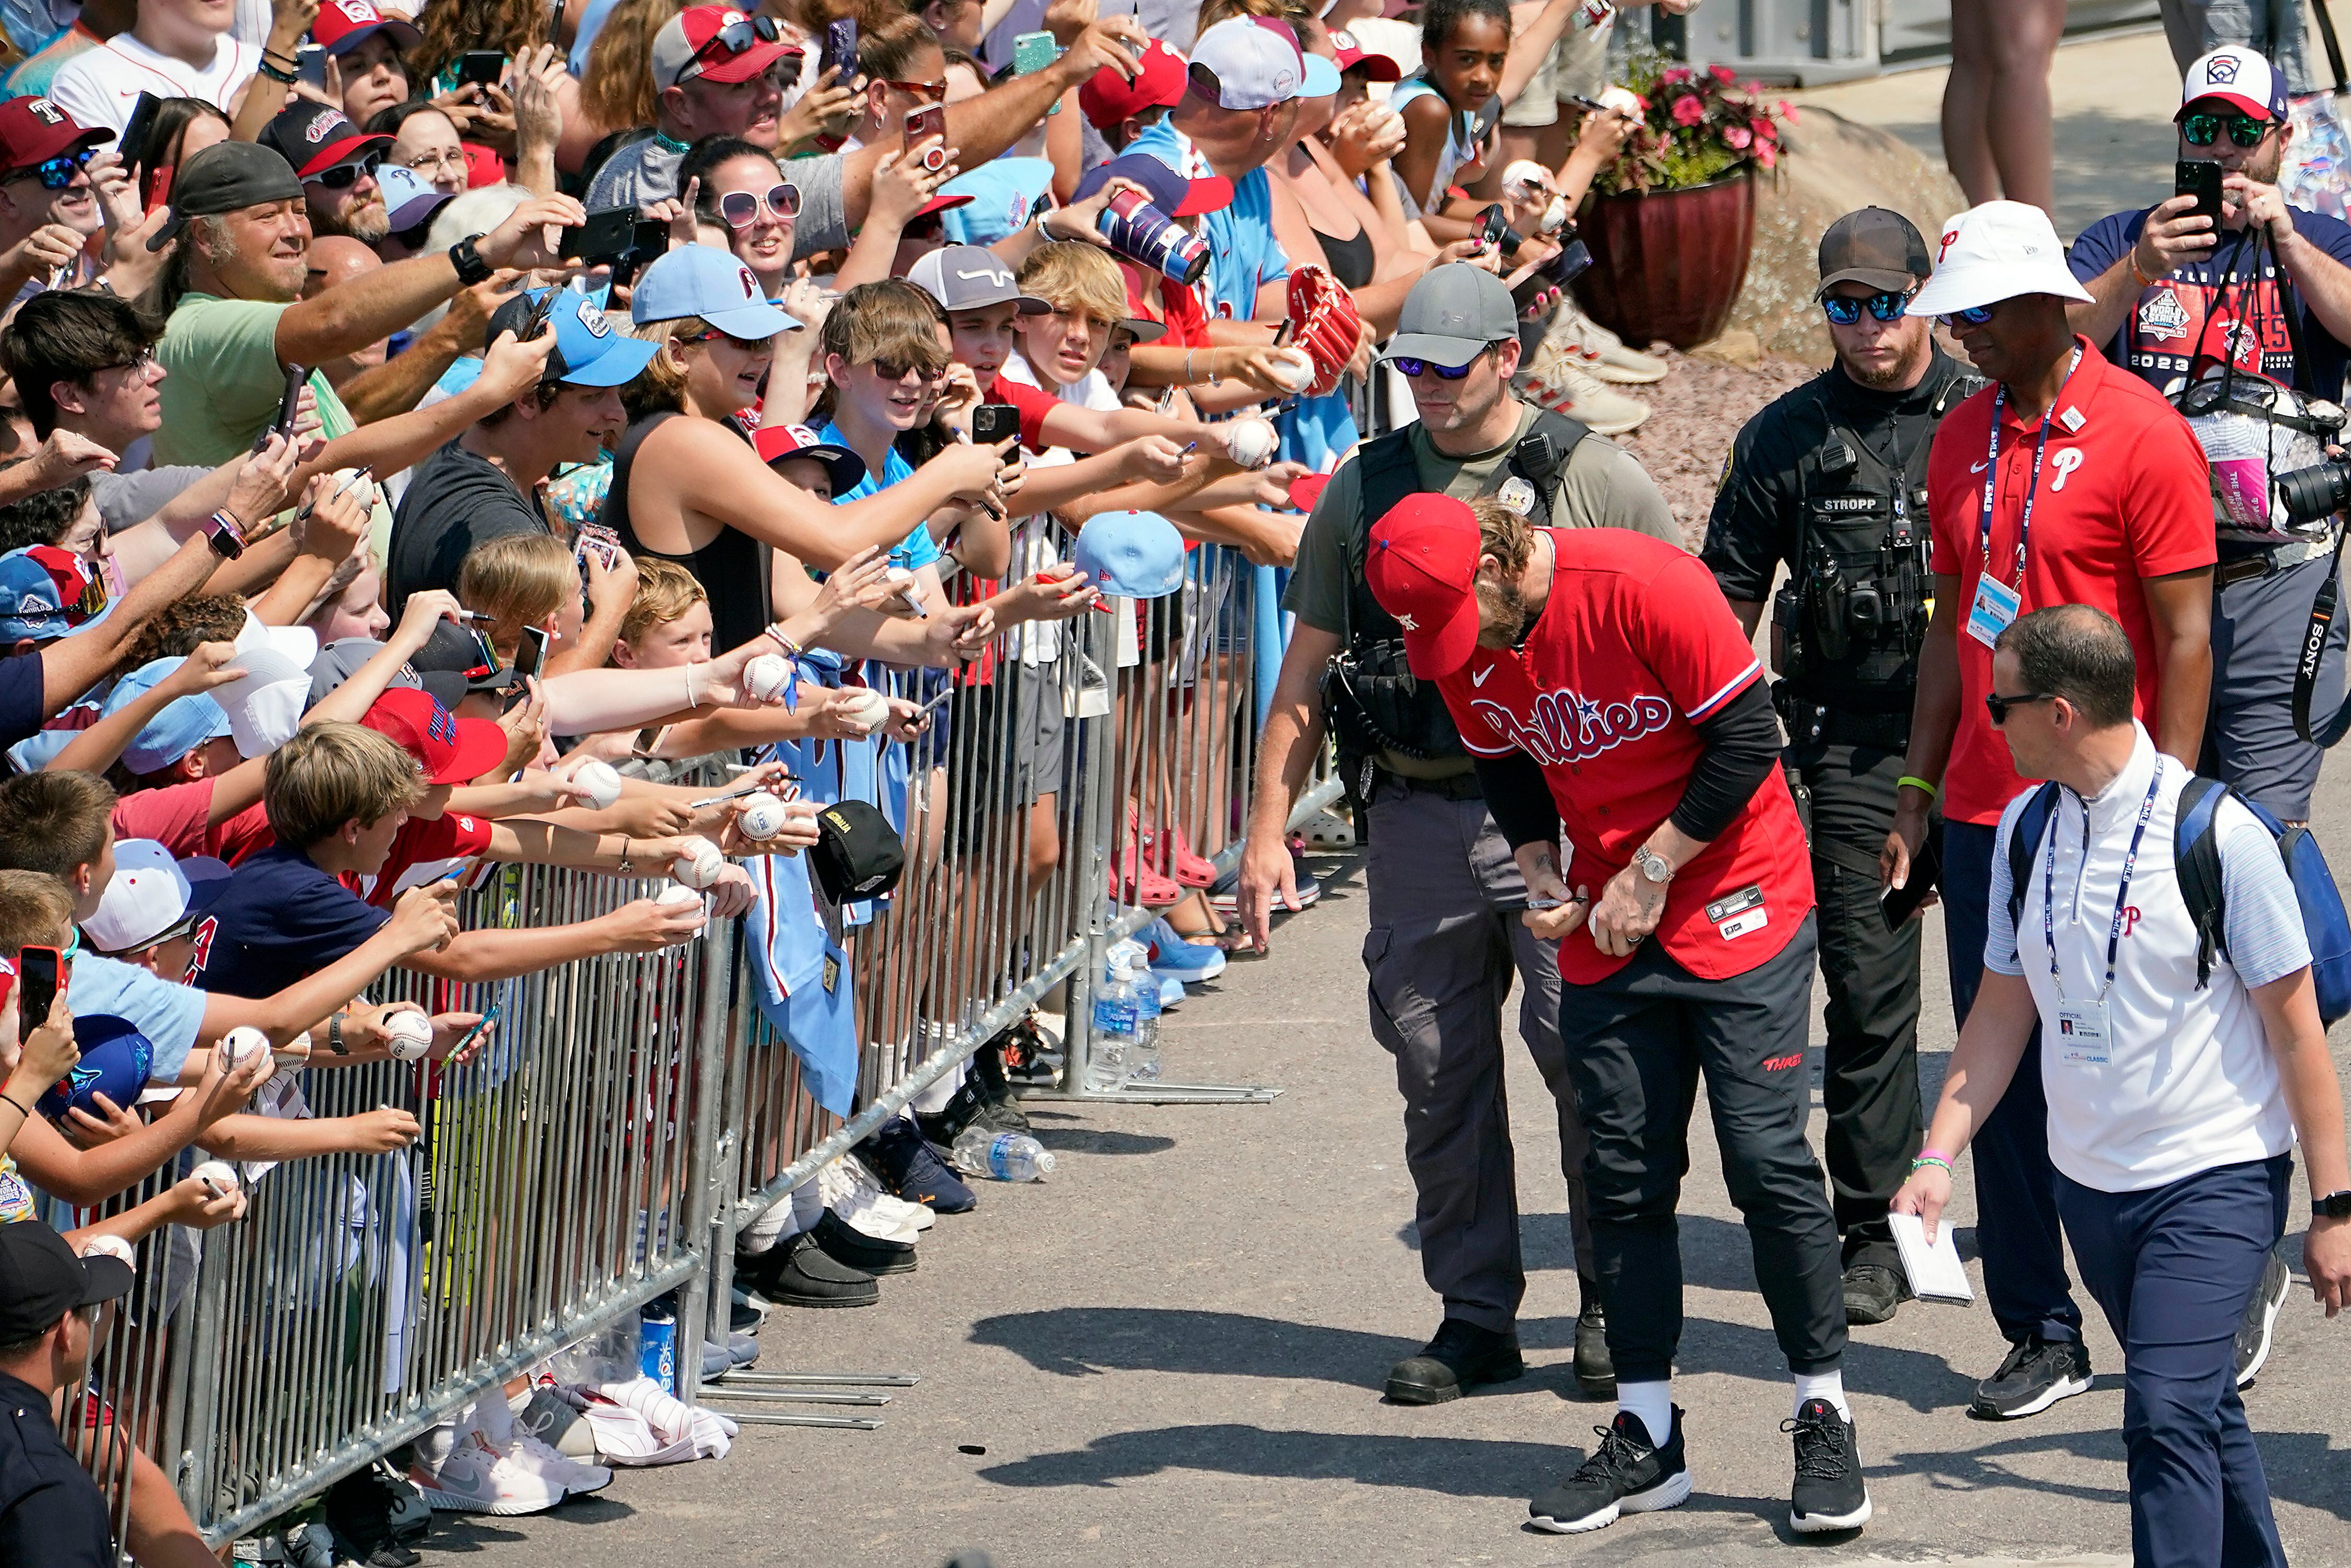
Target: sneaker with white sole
[472, 1480]
[1172, 955]
[1601, 352]
[577, 1478]
[1555, 383]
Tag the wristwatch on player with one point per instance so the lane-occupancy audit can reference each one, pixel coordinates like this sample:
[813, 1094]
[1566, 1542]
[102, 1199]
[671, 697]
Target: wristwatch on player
[221, 532]
[2334, 1205]
[1655, 867]
[471, 267]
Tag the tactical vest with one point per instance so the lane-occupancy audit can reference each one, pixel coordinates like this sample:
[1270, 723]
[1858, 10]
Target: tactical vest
[1369, 695]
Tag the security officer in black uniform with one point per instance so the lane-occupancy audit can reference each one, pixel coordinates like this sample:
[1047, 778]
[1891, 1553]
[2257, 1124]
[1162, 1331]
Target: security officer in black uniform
[1831, 480]
[1444, 894]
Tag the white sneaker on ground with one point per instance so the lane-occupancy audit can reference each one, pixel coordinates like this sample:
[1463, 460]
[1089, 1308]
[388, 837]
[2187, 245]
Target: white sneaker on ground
[1610, 360]
[472, 1480]
[553, 1467]
[850, 1192]
[1553, 382]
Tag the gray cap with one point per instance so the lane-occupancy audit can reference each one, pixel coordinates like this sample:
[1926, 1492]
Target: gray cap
[340, 659]
[1453, 314]
[965, 278]
[1876, 246]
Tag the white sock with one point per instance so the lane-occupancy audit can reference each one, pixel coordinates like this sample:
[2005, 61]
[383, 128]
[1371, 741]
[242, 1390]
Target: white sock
[807, 1207]
[1653, 1403]
[1828, 1385]
[933, 1100]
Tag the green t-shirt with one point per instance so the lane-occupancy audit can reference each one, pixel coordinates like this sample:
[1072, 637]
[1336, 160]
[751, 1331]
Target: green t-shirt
[221, 381]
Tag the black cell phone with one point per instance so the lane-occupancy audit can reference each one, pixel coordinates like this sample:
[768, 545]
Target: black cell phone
[38, 972]
[2200, 178]
[1574, 260]
[993, 421]
[481, 66]
[1926, 871]
[530, 654]
[606, 237]
[284, 424]
[1493, 223]
[839, 49]
[133, 142]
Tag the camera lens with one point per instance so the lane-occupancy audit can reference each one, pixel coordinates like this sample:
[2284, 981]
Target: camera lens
[2310, 493]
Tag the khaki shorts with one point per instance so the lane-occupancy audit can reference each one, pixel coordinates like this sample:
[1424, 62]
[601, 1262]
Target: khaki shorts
[1578, 65]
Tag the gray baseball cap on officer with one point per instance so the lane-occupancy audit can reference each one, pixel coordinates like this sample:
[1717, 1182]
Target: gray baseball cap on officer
[1452, 314]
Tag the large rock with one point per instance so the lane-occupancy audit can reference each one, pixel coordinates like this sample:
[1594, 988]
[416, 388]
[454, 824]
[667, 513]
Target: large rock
[1831, 166]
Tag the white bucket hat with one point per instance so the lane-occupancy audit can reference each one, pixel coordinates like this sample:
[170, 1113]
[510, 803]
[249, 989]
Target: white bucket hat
[1998, 251]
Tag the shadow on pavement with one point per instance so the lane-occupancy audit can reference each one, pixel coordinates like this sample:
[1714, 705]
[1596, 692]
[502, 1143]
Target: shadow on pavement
[1096, 1140]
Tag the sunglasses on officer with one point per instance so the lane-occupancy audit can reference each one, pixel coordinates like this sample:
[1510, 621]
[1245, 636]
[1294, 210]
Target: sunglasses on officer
[1999, 705]
[1844, 311]
[2203, 130]
[1442, 372]
[54, 173]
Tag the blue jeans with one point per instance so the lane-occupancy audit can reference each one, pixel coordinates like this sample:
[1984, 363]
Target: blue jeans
[2173, 1268]
[2016, 1198]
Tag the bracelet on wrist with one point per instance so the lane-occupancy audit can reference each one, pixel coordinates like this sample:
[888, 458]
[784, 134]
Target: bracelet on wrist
[1912, 782]
[2144, 280]
[19, 1104]
[278, 74]
[1935, 1160]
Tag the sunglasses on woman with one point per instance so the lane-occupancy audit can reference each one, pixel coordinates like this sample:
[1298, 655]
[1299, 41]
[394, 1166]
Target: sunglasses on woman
[2203, 130]
[921, 91]
[56, 173]
[1431, 368]
[343, 176]
[741, 209]
[1883, 306]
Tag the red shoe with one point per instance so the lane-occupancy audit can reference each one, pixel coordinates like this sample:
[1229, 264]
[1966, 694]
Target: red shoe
[1137, 882]
[1190, 870]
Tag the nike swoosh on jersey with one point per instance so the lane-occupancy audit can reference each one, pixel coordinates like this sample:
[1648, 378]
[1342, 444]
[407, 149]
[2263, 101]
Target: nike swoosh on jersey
[1479, 678]
[1979, 467]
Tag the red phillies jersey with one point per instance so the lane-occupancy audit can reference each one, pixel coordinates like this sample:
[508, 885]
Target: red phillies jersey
[1637, 645]
[424, 850]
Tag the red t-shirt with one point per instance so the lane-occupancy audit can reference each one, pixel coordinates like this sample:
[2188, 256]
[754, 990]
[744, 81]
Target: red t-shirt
[1633, 648]
[423, 850]
[178, 817]
[2126, 494]
[1180, 310]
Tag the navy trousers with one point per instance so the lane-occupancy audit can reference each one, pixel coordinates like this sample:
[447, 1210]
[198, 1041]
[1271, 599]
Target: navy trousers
[2172, 1268]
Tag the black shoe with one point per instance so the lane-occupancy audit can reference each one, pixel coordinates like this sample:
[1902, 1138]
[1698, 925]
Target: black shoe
[1626, 1474]
[1828, 1493]
[1030, 1056]
[967, 1105]
[875, 1255]
[1461, 1355]
[2036, 1375]
[1595, 1371]
[796, 1273]
[903, 1163]
[742, 1317]
[1003, 1112]
[2260, 1319]
[1873, 1293]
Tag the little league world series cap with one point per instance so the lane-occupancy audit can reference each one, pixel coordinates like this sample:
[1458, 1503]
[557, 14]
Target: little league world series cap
[588, 352]
[1422, 566]
[342, 25]
[48, 592]
[2239, 77]
[41, 1280]
[776, 443]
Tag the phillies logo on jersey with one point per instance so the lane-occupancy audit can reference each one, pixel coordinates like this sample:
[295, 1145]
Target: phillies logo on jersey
[1567, 728]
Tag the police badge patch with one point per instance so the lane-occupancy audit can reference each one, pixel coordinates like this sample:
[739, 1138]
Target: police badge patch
[1517, 495]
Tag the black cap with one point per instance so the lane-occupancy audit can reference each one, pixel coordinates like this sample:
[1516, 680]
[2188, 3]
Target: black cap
[1875, 246]
[41, 1280]
[450, 664]
[227, 177]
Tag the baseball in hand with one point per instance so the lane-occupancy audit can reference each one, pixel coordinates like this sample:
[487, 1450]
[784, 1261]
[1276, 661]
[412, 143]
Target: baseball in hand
[218, 1174]
[601, 780]
[700, 865]
[672, 895]
[762, 816]
[114, 1245]
[1295, 371]
[1252, 442]
[297, 1052]
[240, 1043]
[864, 706]
[765, 677]
[412, 1036]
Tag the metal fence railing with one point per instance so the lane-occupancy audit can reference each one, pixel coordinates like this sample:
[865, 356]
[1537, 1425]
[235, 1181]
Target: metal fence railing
[634, 1112]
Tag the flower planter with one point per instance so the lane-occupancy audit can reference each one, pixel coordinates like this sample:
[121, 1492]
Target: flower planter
[1668, 264]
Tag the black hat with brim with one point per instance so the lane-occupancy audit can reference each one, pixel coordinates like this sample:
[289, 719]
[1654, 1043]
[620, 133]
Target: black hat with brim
[41, 1280]
[227, 177]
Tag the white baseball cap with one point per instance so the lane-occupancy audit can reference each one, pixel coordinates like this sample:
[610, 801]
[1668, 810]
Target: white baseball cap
[150, 898]
[265, 704]
[2242, 79]
[298, 645]
[2000, 250]
[1254, 62]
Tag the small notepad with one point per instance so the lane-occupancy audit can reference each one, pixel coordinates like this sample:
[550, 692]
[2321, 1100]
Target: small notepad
[1936, 1273]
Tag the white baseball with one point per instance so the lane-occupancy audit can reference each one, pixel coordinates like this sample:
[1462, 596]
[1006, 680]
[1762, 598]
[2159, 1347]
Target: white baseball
[1252, 442]
[863, 705]
[219, 1172]
[412, 1036]
[1296, 370]
[765, 677]
[700, 865]
[1524, 176]
[674, 895]
[601, 779]
[297, 1052]
[1621, 99]
[762, 816]
[240, 1043]
[109, 1247]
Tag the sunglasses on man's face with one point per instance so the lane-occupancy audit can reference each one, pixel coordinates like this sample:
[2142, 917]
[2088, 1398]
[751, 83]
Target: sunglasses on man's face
[1844, 311]
[1999, 705]
[56, 173]
[1973, 316]
[741, 209]
[2203, 130]
[343, 176]
[1431, 368]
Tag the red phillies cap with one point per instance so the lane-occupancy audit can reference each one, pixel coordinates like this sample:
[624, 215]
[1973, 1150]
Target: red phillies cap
[483, 167]
[33, 131]
[1423, 569]
[717, 42]
[450, 750]
[344, 24]
[1108, 96]
[1375, 67]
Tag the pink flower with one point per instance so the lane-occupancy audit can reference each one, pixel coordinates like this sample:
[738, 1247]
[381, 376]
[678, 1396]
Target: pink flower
[1767, 131]
[1785, 110]
[1673, 75]
[1737, 136]
[1752, 89]
[1766, 154]
[1723, 74]
[1687, 109]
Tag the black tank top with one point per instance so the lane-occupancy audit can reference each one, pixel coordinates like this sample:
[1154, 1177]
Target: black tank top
[730, 567]
[1352, 261]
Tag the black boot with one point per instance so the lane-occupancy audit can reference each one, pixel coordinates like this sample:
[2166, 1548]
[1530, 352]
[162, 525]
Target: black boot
[1461, 1357]
[1003, 1112]
[1595, 1371]
[797, 1273]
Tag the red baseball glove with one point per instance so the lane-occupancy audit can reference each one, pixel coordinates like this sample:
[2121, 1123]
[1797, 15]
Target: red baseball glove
[1324, 322]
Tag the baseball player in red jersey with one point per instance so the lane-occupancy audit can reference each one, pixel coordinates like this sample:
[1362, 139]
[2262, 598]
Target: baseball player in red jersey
[1602, 684]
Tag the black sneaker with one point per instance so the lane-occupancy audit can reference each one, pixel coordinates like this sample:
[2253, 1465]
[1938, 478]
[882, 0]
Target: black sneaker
[906, 1165]
[1595, 1371]
[1828, 1493]
[1030, 1055]
[1003, 1112]
[1873, 1293]
[967, 1105]
[796, 1273]
[1626, 1474]
[875, 1255]
[2036, 1374]
[2260, 1319]
[1462, 1354]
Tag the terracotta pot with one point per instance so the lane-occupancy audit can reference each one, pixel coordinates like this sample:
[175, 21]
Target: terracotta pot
[1668, 264]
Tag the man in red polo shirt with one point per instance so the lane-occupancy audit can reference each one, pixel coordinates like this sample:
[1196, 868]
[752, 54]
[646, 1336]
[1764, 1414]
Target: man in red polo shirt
[1600, 682]
[2068, 481]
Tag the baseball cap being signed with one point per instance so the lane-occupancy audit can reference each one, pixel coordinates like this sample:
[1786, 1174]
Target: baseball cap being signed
[450, 750]
[2242, 79]
[1109, 97]
[1423, 569]
[1875, 246]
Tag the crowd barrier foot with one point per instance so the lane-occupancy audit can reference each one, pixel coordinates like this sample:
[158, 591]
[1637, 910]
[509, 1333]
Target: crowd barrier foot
[839, 1423]
[718, 1389]
[827, 1379]
[1165, 1095]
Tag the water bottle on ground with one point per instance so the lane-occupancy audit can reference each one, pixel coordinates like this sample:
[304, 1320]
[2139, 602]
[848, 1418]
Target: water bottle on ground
[1007, 1157]
[1143, 1056]
[1114, 1032]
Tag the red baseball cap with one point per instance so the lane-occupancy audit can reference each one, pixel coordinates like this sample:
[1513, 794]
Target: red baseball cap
[1376, 66]
[1108, 96]
[344, 24]
[1423, 569]
[483, 167]
[450, 750]
[33, 131]
[717, 42]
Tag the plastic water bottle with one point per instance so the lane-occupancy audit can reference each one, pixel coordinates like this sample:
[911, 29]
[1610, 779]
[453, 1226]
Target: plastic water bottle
[1006, 1156]
[1116, 1012]
[1143, 1056]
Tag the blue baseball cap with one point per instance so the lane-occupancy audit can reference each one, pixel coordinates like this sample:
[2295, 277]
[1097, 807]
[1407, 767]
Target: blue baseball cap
[588, 352]
[115, 1062]
[48, 591]
[410, 201]
[1171, 193]
[1135, 555]
[1004, 195]
[702, 280]
[185, 724]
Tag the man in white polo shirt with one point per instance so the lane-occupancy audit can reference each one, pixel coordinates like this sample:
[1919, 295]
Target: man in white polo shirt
[2173, 1106]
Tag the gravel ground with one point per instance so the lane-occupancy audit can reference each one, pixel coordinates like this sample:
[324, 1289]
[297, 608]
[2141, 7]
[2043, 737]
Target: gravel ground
[1700, 407]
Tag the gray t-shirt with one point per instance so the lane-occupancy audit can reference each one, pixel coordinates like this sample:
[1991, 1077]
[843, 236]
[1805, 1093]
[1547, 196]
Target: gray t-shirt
[824, 214]
[640, 173]
[125, 501]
